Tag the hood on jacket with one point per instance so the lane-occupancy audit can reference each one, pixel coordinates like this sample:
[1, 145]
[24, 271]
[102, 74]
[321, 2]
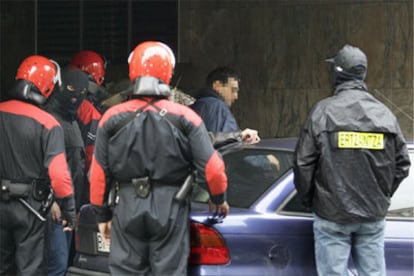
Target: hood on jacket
[208, 92]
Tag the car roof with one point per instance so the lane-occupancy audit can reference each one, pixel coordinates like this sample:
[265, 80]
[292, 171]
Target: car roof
[286, 143]
[289, 143]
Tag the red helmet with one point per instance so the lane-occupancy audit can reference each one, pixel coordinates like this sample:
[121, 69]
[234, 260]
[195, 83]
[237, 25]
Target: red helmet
[151, 59]
[42, 72]
[90, 62]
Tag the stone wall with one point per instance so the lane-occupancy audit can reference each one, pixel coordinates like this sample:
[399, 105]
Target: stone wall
[17, 39]
[279, 48]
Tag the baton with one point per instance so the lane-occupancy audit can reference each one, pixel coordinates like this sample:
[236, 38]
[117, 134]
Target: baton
[31, 209]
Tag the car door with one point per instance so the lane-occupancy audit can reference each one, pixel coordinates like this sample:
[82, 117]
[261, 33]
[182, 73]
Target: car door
[399, 231]
[260, 240]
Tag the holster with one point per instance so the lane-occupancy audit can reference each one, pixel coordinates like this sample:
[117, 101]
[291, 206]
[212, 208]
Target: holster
[142, 186]
[113, 196]
[43, 192]
[186, 188]
[10, 190]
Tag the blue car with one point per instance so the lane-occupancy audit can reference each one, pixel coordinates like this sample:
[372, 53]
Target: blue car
[268, 230]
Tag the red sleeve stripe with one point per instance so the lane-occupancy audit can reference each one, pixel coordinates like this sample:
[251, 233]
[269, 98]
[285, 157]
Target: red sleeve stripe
[215, 175]
[60, 176]
[97, 183]
[88, 156]
[31, 111]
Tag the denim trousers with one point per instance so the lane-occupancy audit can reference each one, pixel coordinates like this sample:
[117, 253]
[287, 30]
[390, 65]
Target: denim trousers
[335, 243]
[59, 250]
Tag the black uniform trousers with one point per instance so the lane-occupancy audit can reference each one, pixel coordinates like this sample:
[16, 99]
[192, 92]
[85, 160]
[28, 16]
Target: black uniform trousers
[22, 240]
[150, 236]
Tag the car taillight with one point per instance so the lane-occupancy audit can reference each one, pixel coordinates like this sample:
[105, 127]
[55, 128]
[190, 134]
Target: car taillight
[207, 246]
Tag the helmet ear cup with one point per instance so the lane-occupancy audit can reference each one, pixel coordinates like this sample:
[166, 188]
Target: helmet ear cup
[25, 90]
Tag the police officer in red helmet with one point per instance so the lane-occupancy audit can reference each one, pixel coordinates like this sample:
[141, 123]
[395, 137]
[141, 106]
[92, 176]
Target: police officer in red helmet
[148, 146]
[32, 165]
[91, 109]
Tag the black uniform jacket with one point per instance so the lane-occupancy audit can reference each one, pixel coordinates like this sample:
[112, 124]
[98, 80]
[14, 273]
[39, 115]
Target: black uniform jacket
[164, 156]
[31, 140]
[351, 156]
[75, 152]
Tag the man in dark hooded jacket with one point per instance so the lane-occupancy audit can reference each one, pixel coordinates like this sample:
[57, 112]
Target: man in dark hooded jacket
[350, 159]
[213, 104]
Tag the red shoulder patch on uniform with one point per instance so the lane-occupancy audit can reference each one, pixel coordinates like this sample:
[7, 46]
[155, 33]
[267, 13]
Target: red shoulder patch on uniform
[97, 183]
[60, 176]
[87, 112]
[31, 111]
[181, 110]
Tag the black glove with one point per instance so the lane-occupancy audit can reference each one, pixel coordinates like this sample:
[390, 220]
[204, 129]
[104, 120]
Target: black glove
[67, 207]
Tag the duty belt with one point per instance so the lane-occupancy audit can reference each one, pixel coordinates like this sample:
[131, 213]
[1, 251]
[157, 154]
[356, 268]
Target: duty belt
[21, 191]
[11, 189]
[143, 186]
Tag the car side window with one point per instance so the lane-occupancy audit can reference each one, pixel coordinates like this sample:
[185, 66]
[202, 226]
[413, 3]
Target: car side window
[293, 206]
[250, 172]
[402, 202]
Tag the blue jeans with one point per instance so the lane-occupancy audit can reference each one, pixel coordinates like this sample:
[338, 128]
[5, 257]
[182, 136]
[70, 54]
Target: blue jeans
[334, 243]
[59, 250]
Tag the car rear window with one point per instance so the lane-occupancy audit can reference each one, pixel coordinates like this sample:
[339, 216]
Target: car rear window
[250, 172]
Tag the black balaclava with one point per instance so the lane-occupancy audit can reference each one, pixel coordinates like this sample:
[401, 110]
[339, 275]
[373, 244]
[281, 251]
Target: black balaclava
[67, 99]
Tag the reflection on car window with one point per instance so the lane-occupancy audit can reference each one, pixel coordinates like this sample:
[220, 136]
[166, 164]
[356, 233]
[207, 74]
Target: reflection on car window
[250, 172]
[402, 202]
